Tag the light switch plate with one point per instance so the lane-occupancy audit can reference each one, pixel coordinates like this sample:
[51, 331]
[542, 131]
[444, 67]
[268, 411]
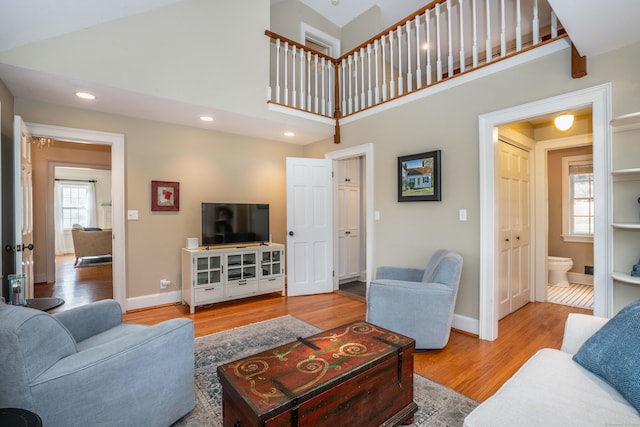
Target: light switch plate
[132, 215]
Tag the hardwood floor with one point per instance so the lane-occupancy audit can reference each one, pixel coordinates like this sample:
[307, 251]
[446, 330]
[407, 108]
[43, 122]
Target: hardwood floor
[468, 365]
[77, 286]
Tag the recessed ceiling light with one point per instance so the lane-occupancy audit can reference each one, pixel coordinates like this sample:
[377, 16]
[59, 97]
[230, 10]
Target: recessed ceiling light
[206, 118]
[85, 95]
[289, 134]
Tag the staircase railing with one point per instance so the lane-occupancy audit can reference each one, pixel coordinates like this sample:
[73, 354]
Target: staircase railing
[444, 39]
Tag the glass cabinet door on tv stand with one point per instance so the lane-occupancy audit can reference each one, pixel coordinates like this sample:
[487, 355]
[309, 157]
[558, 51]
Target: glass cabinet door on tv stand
[222, 273]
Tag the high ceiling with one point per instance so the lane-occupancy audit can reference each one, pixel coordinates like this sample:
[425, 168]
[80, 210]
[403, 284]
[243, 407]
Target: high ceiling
[594, 29]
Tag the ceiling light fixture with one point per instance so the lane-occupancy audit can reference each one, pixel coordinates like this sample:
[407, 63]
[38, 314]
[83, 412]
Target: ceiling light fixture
[85, 95]
[335, 2]
[563, 122]
[289, 134]
[206, 118]
[41, 142]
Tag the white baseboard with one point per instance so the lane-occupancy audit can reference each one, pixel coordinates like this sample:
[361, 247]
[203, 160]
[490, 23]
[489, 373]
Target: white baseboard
[466, 324]
[153, 300]
[583, 279]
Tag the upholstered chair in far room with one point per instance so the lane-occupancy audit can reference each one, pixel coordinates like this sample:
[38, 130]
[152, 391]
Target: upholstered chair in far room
[85, 367]
[417, 303]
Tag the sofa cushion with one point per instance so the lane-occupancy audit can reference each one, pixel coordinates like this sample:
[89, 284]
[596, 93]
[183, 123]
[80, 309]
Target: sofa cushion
[612, 353]
[551, 390]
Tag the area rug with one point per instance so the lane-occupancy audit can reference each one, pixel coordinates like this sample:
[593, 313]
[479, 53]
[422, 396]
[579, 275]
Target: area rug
[438, 406]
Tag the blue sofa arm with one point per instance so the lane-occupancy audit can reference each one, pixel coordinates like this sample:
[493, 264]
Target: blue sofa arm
[147, 374]
[400, 273]
[91, 319]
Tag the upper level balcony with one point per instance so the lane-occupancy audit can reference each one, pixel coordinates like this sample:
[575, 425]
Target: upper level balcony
[444, 40]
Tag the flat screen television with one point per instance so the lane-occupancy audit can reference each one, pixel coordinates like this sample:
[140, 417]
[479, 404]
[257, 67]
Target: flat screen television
[234, 223]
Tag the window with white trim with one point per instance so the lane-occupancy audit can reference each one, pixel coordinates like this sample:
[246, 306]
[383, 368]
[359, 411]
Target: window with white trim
[75, 203]
[577, 199]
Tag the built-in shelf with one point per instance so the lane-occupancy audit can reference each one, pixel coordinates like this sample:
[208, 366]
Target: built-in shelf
[626, 278]
[626, 136]
[627, 119]
[632, 171]
[626, 226]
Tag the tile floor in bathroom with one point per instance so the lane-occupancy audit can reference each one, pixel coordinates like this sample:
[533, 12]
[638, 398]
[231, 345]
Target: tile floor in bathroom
[575, 295]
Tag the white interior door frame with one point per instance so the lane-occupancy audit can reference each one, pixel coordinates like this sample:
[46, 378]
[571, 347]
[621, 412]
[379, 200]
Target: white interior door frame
[599, 99]
[365, 150]
[116, 141]
[541, 215]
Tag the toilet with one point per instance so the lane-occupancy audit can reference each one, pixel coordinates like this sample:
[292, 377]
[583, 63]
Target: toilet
[558, 268]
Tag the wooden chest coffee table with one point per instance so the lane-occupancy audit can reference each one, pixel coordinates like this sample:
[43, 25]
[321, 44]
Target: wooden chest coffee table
[354, 375]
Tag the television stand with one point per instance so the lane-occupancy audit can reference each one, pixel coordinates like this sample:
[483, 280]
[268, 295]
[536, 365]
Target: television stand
[224, 273]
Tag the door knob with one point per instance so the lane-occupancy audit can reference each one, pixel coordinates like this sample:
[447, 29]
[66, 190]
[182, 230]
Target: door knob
[29, 246]
[506, 240]
[291, 233]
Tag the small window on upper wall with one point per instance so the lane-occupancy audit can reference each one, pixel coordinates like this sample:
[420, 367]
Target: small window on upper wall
[577, 199]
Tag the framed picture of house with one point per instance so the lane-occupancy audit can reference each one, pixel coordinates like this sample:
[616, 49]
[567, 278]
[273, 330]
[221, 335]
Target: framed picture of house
[419, 177]
[165, 196]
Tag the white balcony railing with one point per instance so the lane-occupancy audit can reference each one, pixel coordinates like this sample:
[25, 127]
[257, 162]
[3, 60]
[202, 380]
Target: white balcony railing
[440, 41]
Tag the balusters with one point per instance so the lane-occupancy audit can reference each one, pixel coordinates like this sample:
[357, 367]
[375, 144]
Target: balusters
[286, 70]
[427, 21]
[400, 79]
[488, 46]
[362, 99]
[392, 82]
[438, 49]
[518, 27]
[315, 83]
[278, 70]
[309, 80]
[418, 70]
[344, 85]
[462, 54]
[293, 76]
[475, 35]
[302, 80]
[536, 23]
[450, 69]
[323, 98]
[503, 30]
[370, 90]
[409, 72]
[384, 68]
[350, 85]
[356, 99]
[376, 46]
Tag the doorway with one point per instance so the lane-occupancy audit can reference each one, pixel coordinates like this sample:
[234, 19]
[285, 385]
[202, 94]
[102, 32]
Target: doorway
[116, 143]
[598, 99]
[363, 154]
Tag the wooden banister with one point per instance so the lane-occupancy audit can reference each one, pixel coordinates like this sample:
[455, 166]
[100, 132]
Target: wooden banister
[460, 36]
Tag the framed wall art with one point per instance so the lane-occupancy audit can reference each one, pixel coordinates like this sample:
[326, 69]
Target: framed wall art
[165, 196]
[419, 177]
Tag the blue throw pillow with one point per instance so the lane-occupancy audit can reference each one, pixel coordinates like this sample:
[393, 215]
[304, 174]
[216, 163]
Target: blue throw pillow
[613, 353]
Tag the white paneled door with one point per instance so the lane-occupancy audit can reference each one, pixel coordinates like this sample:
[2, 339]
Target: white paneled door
[23, 203]
[514, 236]
[309, 226]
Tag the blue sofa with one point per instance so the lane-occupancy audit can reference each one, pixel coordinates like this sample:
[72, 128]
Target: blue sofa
[85, 367]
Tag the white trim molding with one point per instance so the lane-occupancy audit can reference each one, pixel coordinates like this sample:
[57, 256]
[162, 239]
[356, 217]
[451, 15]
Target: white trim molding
[599, 99]
[116, 141]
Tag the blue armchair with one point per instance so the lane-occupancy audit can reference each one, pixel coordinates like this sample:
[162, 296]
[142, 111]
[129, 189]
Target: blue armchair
[417, 303]
[85, 367]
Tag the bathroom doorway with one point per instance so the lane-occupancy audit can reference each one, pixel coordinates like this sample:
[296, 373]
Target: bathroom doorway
[559, 156]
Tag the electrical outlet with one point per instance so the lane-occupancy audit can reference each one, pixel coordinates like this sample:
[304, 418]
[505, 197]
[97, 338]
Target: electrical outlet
[164, 283]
